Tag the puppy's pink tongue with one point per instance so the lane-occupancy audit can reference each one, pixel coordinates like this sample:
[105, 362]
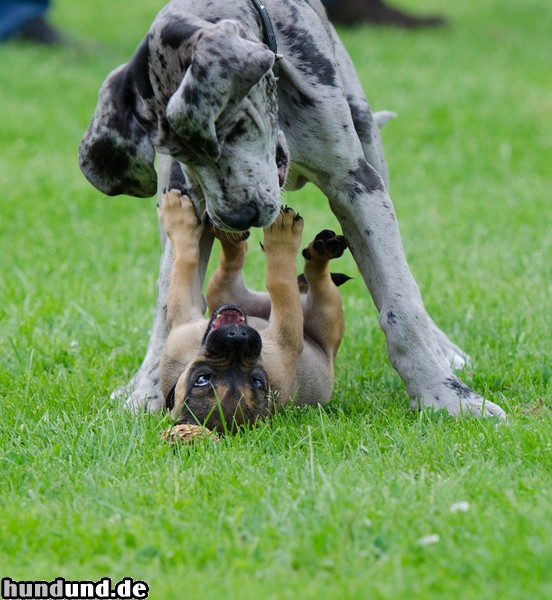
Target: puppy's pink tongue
[228, 317]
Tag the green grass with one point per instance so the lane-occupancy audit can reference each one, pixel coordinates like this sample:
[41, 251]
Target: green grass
[321, 503]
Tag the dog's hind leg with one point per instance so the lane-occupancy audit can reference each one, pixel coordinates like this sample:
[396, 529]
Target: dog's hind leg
[359, 199]
[227, 285]
[323, 307]
[369, 135]
[366, 214]
[366, 127]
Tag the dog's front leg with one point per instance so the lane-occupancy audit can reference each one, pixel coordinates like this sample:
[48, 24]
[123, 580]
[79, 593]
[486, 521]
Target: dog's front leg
[143, 391]
[178, 218]
[283, 340]
[367, 216]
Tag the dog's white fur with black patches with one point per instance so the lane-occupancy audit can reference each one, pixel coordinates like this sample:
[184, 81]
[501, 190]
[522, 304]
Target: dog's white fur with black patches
[200, 90]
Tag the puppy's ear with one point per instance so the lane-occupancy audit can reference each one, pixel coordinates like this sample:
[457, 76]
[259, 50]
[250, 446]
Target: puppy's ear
[116, 155]
[224, 68]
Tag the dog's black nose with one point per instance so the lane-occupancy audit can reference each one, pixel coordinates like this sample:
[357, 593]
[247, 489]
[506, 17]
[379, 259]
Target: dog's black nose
[243, 219]
[238, 334]
[235, 342]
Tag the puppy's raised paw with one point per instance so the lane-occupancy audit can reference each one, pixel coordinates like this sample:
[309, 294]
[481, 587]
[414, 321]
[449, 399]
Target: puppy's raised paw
[325, 246]
[177, 215]
[285, 232]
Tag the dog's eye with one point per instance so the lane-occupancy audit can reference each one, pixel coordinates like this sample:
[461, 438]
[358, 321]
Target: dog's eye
[202, 380]
[259, 384]
[238, 132]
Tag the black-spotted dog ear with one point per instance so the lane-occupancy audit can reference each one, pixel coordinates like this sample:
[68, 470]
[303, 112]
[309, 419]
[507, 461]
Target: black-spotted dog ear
[224, 68]
[116, 155]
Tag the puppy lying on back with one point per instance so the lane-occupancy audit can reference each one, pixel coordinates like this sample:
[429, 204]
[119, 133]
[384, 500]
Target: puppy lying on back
[256, 351]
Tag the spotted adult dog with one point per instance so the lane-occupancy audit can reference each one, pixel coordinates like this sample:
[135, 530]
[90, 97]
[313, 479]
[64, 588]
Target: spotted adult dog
[202, 91]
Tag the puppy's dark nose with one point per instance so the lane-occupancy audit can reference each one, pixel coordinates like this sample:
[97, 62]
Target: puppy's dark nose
[242, 219]
[241, 341]
[235, 342]
[237, 334]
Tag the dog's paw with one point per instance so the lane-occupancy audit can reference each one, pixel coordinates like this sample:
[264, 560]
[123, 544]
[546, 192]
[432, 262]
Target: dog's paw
[177, 215]
[285, 233]
[139, 395]
[455, 357]
[458, 400]
[325, 246]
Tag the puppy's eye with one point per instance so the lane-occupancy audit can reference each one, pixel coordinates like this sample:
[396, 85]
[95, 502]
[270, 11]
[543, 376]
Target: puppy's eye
[259, 384]
[202, 380]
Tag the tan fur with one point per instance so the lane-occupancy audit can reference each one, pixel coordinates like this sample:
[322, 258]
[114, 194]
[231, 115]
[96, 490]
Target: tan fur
[299, 338]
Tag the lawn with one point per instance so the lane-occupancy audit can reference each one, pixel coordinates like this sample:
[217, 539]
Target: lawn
[362, 498]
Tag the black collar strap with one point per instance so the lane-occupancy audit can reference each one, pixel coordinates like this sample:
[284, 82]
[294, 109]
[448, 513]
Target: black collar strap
[269, 35]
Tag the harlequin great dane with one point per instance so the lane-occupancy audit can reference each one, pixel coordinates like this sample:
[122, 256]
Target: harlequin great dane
[238, 98]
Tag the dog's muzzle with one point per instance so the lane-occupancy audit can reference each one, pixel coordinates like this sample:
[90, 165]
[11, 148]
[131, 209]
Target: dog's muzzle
[228, 335]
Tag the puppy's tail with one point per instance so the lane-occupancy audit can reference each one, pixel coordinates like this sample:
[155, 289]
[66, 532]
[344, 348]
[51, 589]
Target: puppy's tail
[337, 278]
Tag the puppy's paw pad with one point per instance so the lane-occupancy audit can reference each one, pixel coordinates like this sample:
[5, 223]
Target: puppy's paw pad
[325, 246]
[324, 235]
[336, 246]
